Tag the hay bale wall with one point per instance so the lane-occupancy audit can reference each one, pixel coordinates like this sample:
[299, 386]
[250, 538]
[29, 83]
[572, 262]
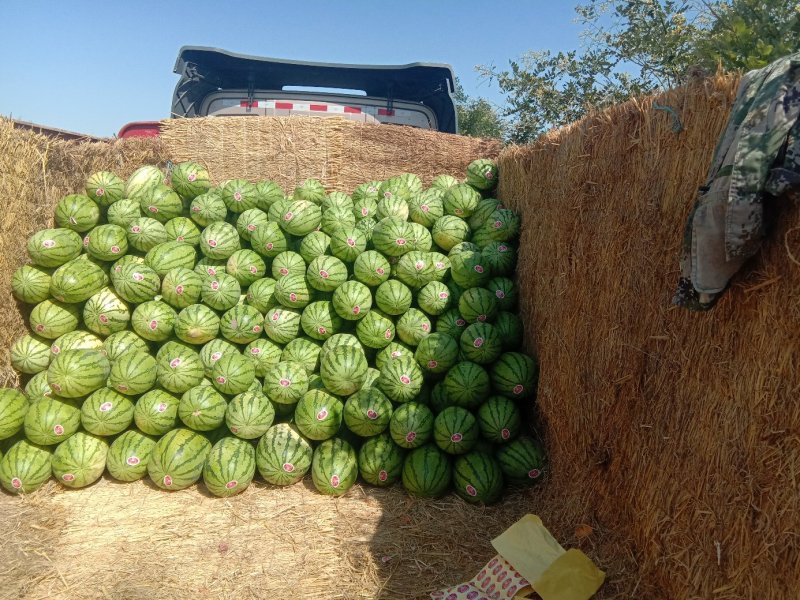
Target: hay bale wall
[340, 153]
[676, 433]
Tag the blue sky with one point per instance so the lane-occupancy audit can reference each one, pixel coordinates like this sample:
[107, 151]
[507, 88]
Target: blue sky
[94, 66]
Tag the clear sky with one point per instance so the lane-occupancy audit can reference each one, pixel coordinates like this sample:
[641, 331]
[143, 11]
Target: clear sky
[91, 67]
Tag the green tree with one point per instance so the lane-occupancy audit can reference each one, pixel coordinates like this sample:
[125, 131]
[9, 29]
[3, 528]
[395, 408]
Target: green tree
[477, 117]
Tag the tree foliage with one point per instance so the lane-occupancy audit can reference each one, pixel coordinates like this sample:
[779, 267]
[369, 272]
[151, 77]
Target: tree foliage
[477, 117]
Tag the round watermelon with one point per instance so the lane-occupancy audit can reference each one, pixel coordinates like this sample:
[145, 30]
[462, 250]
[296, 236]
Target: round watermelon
[264, 353]
[156, 412]
[282, 325]
[461, 200]
[196, 324]
[394, 351]
[334, 218]
[483, 211]
[426, 208]
[145, 233]
[437, 353]
[434, 298]
[482, 174]
[249, 415]
[51, 421]
[343, 370]
[449, 230]
[413, 326]
[106, 412]
[37, 387]
[455, 430]
[177, 460]
[241, 324]
[292, 291]
[183, 230]
[123, 213]
[208, 208]
[221, 292]
[514, 374]
[169, 255]
[77, 373]
[347, 243]
[133, 373]
[427, 472]
[54, 247]
[233, 373]
[13, 408]
[326, 273]
[239, 195]
[499, 419]
[219, 240]
[320, 321]
[161, 203]
[202, 408]
[371, 268]
[136, 283]
[246, 267]
[179, 367]
[154, 320]
[76, 340]
[481, 343]
[288, 263]
[315, 244]
[392, 236]
[352, 300]
[334, 468]
[304, 351]
[80, 460]
[478, 305]
[261, 294]
[77, 281]
[318, 415]
[367, 412]
[117, 344]
[267, 193]
[393, 297]
[31, 284]
[300, 217]
[376, 330]
[25, 467]
[230, 467]
[142, 182]
[286, 382]
[181, 287]
[521, 460]
[128, 455]
[248, 221]
[283, 456]
[310, 190]
[31, 354]
[77, 212]
[380, 461]
[190, 179]
[411, 425]
[105, 188]
[106, 313]
[500, 257]
[401, 380]
[477, 478]
[269, 240]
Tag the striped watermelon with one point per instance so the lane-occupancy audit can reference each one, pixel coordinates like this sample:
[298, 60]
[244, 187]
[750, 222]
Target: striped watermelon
[467, 269]
[477, 478]
[367, 412]
[249, 415]
[451, 323]
[393, 297]
[80, 460]
[422, 240]
[133, 373]
[261, 294]
[334, 468]
[286, 382]
[521, 460]
[242, 324]
[208, 208]
[442, 182]
[515, 374]
[341, 339]
[449, 230]
[77, 373]
[467, 385]
[483, 211]
[181, 287]
[365, 207]
[30, 284]
[463, 247]
[380, 461]
[54, 247]
[249, 221]
[461, 200]
[37, 387]
[145, 233]
[482, 174]
[326, 273]
[367, 190]
[426, 208]
[337, 200]
[372, 379]
[477, 305]
[233, 373]
[105, 188]
[106, 412]
[13, 408]
[117, 344]
[106, 313]
[77, 281]
[300, 217]
[367, 226]
[393, 187]
[347, 243]
[269, 240]
[371, 268]
[202, 408]
[51, 421]
[161, 204]
[196, 324]
[502, 225]
[76, 340]
[25, 467]
[292, 291]
[246, 266]
[413, 326]
[77, 212]
[221, 292]
[352, 300]
[129, 454]
[268, 192]
[170, 255]
[499, 419]
[343, 370]
[436, 353]
[184, 230]
[392, 236]
[392, 206]
[156, 412]
[411, 425]
[282, 325]
[136, 283]
[500, 257]
[318, 415]
[510, 328]
[179, 367]
[288, 263]
[401, 380]
[481, 343]
[376, 330]
[304, 351]
[239, 195]
[434, 298]
[441, 266]
[211, 352]
[142, 181]
[154, 320]
[210, 267]
[394, 351]
[427, 472]
[106, 242]
[230, 467]
[219, 240]
[264, 353]
[504, 291]
[313, 245]
[190, 179]
[320, 321]
[177, 459]
[31, 354]
[337, 218]
[283, 456]
[311, 190]
[455, 430]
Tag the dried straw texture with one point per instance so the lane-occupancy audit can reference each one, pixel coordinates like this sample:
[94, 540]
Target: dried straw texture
[35, 173]
[678, 431]
[340, 153]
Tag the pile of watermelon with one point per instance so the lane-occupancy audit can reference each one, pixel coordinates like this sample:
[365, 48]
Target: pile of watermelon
[182, 331]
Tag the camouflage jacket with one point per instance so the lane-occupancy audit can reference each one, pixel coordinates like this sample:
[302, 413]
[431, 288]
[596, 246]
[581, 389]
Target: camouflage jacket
[758, 156]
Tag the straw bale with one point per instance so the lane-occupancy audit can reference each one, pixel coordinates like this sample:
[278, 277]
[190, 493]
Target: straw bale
[340, 153]
[678, 431]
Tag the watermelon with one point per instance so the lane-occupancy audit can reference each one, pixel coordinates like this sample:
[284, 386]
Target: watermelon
[219, 240]
[411, 425]
[455, 430]
[401, 380]
[51, 421]
[326, 273]
[461, 200]
[442, 182]
[310, 190]
[179, 367]
[242, 324]
[136, 283]
[261, 294]
[54, 247]
[426, 208]
[269, 240]
[156, 412]
[304, 351]
[393, 188]
[499, 419]
[190, 179]
[80, 460]
[267, 193]
[146, 233]
[502, 226]
[208, 208]
[202, 408]
[184, 230]
[77, 373]
[449, 230]
[196, 324]
[25, 467]
[341, 339]
[76, 281]
[233, 373]
[365, 207]
[515, 374]
[38, 388]
[483, 211]
[249, 415]
[300, 217]
[482, 174]
[394, 351]
[154, 320]
[123, 212]
[313, 245]
[133, 373]
[161, 204]
[477, 478]
[422, 241]
[221, 292]
[369, 189]
[352, 300]
[283, 456]
[264, 353]
[380, 461]
[106, 313]
[142, 182]
[282, 325]
[334, 468]
[30, 284]
[393, 297]
[436, 353]
[230, 467]
[376, 330]
[177, 460]
[292, 291]
[478, 305]
[76, 340]
[348, 242]
[413, 326]
[451, 323]
[371, 268]
[286, 382]
[104, 188]
[77, 212]
[334, 218]
[181, 287]
[367, 412]
[427, 472]
[467, 269]
[31, 354]
[343, 370]
[463, 247]
[52, 319]
[481, 343]
[170, 255]
[500, 257]
[117, 344]
[106, 412]
[467, 385]
[13, 408]
[521, 460]
[320, 321]
[239, 195]
[434, 298]
[288, 263]
[392, 236]
[392, 206]
[504, 291]
[210, 267]
[129, 454]
[248, 221]
[246, 266]
[318, 415]
[212, 351]
[337, 200]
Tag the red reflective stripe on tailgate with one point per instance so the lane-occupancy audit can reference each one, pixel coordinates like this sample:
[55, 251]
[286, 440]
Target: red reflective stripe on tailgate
[385, 112]
[352, 109]
[322, 107]
[284, 105]
[246, 104]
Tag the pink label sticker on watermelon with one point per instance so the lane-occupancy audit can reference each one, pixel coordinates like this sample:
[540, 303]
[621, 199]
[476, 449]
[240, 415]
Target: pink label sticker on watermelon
[275, 315]
[122, 387]
[364, 211]
[16, 483]
[440, 265]
[269, 245]
[68, 477]
[57, 388]
[356, 309]
[191, 177]
[500, 294]
[371, 414]
[478, 268]
[388, 334]
[284, 271]
[221, 380]
[505, 434]
[322, 415]
[424, 208]
[383, 475]
[231, 484]
[175, 363]
[153, 325]
[380, 271]
[256, 328]
[152, 209]
[387, 194]
[396, 354]
[458, 211]
[324, 274]
[195, 209]
[460, 322]
[321, 330]
[288, 467]
[215, 285]
[456, 437]
[102, 318]
[534, 473]
[86, 241]
[411, 436]
[443, 295]
[251, 227]
[254, 269]
[502, 248]
[114, 249]
[419, 265]
[212, 243]
[167, 480]
[234, 429]
[133, 461]
[49, 243]
[255, 351]
[285, 382]
[288, 216]
[405, 379]
[55, 349]
[401, 241]
[293, 297]
[161, 407]
[137, 277]
[211, 271]
[351, 242]
[481, 318]
[498, 224]
[39, 328]
[99, 192]
[335, 481]
[237, 195]
[106, 406]
[216, 356]
[432, 364]
[488, 174]
[425, 327]
[518, 389]
[478, 342]
[136, 229]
